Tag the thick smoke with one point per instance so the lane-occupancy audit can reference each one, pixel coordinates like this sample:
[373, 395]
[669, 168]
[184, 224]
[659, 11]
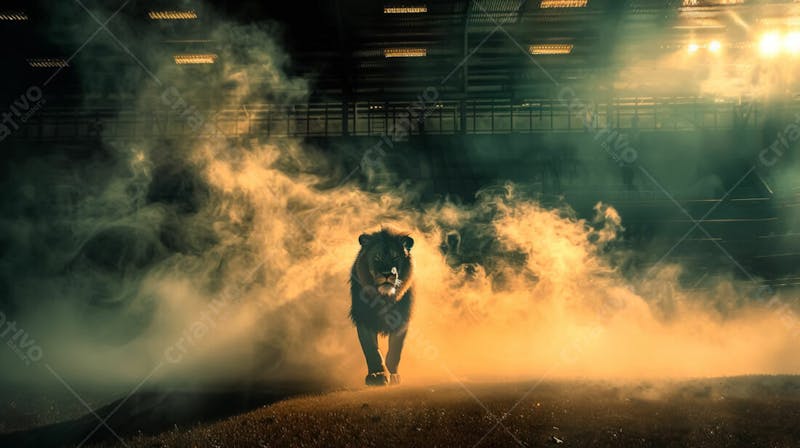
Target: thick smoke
[721, 54]
[217, 258]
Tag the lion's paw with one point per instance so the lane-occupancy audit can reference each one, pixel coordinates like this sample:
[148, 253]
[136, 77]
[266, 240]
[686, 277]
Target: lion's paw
[376, 379]
[394, 379]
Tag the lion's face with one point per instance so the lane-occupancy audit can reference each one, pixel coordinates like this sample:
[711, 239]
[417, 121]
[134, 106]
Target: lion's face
[388, 260]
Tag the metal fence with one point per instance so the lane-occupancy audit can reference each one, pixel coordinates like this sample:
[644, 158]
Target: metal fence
[378, 118]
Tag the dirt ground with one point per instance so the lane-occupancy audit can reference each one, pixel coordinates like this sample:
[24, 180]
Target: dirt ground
[753, 411]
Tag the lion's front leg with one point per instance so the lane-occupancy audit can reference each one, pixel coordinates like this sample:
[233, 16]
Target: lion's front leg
[376, 375]
[396, 341]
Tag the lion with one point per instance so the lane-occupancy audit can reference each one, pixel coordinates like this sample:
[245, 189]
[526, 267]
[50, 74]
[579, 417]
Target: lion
[382, 299]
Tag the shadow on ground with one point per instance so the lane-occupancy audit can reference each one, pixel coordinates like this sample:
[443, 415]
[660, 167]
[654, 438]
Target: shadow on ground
[152, 412]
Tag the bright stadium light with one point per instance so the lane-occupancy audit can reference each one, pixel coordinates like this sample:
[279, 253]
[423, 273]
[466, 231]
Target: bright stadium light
[48, 62]
[405, 52]
[792, 43]
[17, 16]
[714, 46]
[194, 59]
[172, 15]
[563, 4]
[550, 49]
[692, 48]
[711, 2]
[770, 44]
[421, 9]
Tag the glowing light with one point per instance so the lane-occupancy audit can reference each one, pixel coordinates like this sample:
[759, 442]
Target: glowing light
[405, 9]
[184, 59]
[405, 52]
[13, 16]
[550, 48]
[48, 63]
[714, 46]
[172, 15]
[694, 24]
[563, 3]
[792, 43]
[711, 2]
[770, 44]
[692, 48]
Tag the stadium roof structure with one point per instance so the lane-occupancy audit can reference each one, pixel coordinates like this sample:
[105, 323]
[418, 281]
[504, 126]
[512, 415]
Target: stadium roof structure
[375, 58]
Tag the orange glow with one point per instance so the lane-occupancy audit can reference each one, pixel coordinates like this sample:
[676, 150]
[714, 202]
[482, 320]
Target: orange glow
[172, 15]
[563, 4]
[182, 59]
[405, 52]
[405, 9]
[770, 44]
[550, 48]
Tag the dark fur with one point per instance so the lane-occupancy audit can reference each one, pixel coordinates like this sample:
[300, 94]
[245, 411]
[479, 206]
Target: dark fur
[373, 313]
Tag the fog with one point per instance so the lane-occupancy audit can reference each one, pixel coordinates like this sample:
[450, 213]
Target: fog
[223, 259]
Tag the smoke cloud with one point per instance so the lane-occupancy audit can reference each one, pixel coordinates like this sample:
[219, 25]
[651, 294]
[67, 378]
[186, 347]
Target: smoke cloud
[222, 259]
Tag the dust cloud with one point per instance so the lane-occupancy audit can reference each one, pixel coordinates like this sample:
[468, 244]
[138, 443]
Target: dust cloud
[223, 259]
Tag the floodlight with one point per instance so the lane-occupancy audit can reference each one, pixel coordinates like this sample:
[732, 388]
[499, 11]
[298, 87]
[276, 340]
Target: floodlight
[770, 44]
[550, 49]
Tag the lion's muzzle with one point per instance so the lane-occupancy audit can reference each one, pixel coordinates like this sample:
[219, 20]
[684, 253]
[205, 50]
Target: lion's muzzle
[387, 282]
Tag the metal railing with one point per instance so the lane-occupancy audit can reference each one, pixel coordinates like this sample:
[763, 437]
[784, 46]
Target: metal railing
[379, 118]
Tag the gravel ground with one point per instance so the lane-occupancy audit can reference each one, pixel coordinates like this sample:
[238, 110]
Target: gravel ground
[728, 412]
